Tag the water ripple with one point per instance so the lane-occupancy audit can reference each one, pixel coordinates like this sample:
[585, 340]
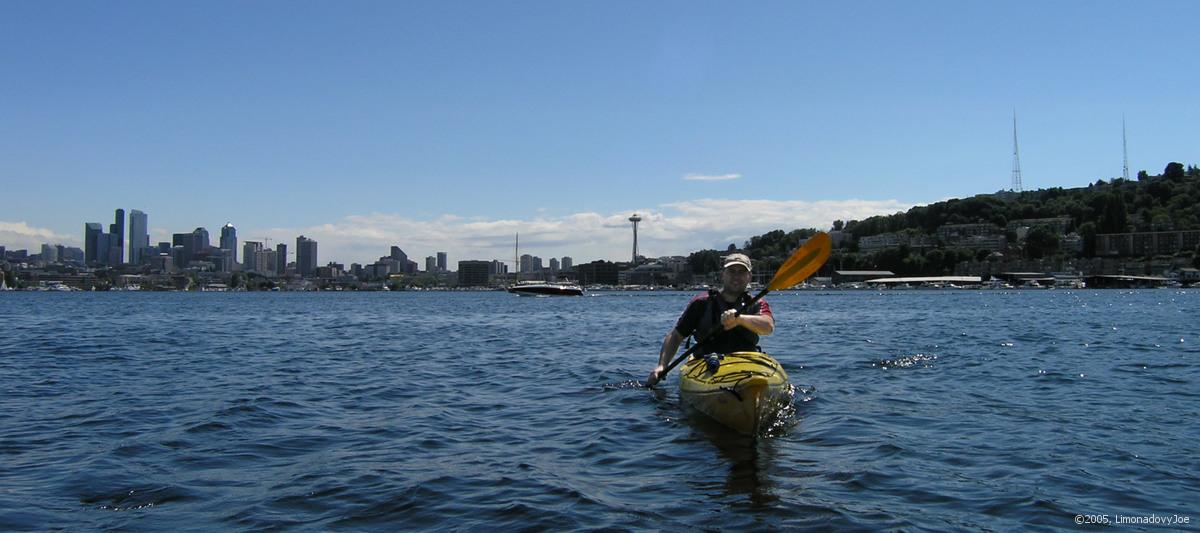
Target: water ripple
[912, 410]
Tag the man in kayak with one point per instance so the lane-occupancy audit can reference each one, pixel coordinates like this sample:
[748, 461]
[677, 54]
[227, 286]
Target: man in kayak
[720, 309]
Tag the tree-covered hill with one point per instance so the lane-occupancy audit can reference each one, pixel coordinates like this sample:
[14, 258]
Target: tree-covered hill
[1170, 201]
[1166, 202]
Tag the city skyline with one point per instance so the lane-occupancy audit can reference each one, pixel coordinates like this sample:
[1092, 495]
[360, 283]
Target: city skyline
[454, 127]
[108, 249]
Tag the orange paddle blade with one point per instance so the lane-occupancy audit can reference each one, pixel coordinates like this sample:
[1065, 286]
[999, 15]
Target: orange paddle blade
[803, 263]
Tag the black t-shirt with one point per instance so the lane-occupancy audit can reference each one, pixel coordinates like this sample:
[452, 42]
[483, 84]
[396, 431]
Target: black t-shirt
[703, 313]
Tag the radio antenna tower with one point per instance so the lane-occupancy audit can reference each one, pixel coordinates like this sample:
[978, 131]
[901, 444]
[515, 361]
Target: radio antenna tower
[1124, 151]
[1016, 171]
[635, 219]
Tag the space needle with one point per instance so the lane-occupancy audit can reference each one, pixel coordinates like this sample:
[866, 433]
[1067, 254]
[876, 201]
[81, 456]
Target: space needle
[635, 219]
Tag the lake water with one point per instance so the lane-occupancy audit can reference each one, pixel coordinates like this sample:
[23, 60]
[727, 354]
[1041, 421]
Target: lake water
[397, 411]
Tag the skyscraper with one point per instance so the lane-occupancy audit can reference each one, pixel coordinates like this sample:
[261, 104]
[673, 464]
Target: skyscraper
[430, 264]
[91, 243]
[200, 245]
[442, 262]
[250, 256]
[280, 259]
[399, 255]
[139, 238]
[200, 240]
[229, 240]
[306, 256]
[116, 239]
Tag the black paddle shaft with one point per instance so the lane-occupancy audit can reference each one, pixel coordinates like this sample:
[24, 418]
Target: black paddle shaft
[707, 337]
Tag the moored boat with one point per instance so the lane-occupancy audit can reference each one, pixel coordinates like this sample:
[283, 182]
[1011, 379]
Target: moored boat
[745, 391]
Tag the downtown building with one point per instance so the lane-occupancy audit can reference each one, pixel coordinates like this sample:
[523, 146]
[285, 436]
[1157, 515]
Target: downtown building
[105, 249]
[306, 257]
[139, 237]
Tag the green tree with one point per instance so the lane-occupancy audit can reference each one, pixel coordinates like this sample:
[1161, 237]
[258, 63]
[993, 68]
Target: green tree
[1040, 242]
[705, 261]
[1087, 231]
[1114, 218]
[1174, 172]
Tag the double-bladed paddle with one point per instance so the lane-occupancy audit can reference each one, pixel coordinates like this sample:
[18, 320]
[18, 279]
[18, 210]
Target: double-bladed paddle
[804, 262]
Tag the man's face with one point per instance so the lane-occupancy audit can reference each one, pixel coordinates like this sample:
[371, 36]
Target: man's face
[735, 278]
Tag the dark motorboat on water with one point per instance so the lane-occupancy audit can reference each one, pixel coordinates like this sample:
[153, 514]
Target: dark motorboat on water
[541, 288]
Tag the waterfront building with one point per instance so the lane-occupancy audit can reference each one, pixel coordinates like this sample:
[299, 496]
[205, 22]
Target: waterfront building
[859, 276]
[553, 265]
[1147, 243]
[200, 241]
[139, 236]
[497, 268]
[250, 257]
[229, 241]
[280, 259]
[442, 263]
[473, 273]
[526, 265]
[306, 256]
[378, 270]
[871, 243]
[182, 249]
[567, 262]
[265, 262]
[982, 236]
[838, 237]
[221, 259]
[430, 263]
[67, 254]
[93, 242]
[598, 272]
[116, 239]
[49, 254]
[954, 232]
[1057, 225]
[180, 255]
[161, 263]
[399, 255]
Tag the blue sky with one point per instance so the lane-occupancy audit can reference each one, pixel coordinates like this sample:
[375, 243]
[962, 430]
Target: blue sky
[450, 126]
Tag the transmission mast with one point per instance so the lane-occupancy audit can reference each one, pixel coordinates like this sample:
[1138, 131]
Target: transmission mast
[1016, 167]
[1124, 151]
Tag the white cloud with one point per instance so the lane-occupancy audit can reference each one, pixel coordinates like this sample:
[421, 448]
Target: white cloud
[22, 236]
[677, 228]
[706, 177]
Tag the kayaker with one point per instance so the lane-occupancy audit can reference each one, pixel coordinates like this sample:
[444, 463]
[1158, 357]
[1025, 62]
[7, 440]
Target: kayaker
[706, 310]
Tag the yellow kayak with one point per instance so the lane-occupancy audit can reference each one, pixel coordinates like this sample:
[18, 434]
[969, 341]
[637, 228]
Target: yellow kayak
[744, 391]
